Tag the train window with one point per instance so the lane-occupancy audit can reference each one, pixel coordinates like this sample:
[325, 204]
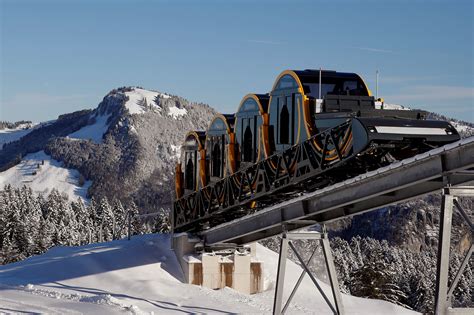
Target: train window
[216, 160]
[189, 171]
[336, 86]
[291, 126]
[326, 88]
[349, 86]
[249, 106]
[284, 125]
[247, 144]
[223, 156]
[255, 143]
[286, 82]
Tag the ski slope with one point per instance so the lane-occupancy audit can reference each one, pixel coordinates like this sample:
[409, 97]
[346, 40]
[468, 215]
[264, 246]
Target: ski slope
[42, 173]
[142, 276]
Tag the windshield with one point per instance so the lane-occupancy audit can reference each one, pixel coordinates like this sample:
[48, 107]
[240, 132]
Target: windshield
[336, 86]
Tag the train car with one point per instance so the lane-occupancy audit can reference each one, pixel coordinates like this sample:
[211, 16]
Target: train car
[219, 145]
[193, 158]
[300, 107]
[249, 119]
[313, 128]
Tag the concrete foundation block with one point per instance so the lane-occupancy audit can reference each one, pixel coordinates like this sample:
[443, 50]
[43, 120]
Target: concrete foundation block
[238, 271]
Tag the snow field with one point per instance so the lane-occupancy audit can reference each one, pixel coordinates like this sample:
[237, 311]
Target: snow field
[44, 178]
[139, 98]
[94, 132]
[395, 106]
[140, 101]
[176, 112]
[10, 135]
[142, 276]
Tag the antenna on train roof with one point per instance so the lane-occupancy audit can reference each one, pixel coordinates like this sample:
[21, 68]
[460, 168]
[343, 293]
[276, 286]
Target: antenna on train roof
[377, 84]
[319, 83]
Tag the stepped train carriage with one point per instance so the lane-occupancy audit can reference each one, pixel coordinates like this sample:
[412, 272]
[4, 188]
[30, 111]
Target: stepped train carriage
[314, 128]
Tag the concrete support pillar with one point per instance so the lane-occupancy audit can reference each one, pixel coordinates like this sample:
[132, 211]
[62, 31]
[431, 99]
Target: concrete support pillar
[242, 273]
[211, 273]
[183, 246]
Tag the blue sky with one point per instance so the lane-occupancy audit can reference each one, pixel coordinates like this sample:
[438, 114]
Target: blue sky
[60, 56]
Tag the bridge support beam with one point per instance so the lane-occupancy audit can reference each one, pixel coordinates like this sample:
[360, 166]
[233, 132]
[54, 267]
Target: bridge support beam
[286, 241]
[444, 293]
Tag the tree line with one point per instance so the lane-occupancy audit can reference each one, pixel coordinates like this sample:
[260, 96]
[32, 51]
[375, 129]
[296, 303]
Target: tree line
[32, 223]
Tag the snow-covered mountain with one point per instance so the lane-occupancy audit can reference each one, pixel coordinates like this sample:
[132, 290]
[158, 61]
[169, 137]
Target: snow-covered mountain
[125, 148]
[142, 276]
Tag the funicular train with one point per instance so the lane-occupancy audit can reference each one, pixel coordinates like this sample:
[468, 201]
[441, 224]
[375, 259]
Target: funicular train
[314, 128]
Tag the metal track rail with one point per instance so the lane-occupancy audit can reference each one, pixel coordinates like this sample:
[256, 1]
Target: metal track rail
[404, 180]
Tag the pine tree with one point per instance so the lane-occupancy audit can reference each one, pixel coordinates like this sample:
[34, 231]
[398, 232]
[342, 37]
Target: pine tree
[162, 223]
[84, 223]
[27, 228]
[92, 212]
[44, 241]
[421, 296]
[374, 281]
[137, 226]
[120, 214]
[106, 220]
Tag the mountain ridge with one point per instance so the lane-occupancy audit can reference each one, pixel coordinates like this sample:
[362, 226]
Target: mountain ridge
[126, 146]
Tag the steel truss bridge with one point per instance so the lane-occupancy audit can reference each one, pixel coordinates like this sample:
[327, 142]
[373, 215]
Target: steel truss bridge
[440, 170]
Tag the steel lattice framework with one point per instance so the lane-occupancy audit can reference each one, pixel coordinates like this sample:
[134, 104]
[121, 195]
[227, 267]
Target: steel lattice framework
[299, 165]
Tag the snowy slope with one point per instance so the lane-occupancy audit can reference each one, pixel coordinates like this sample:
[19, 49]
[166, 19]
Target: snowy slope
[10, 135]
[395, 106]
[462, 127]
[466, 129]
[140, 101]
[143, 276]
[176, 112]
[46, 177]
[94, 131]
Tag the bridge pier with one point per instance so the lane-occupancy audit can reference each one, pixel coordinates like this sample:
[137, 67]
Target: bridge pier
[287, 237]
[444, 293]
[218, 266]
